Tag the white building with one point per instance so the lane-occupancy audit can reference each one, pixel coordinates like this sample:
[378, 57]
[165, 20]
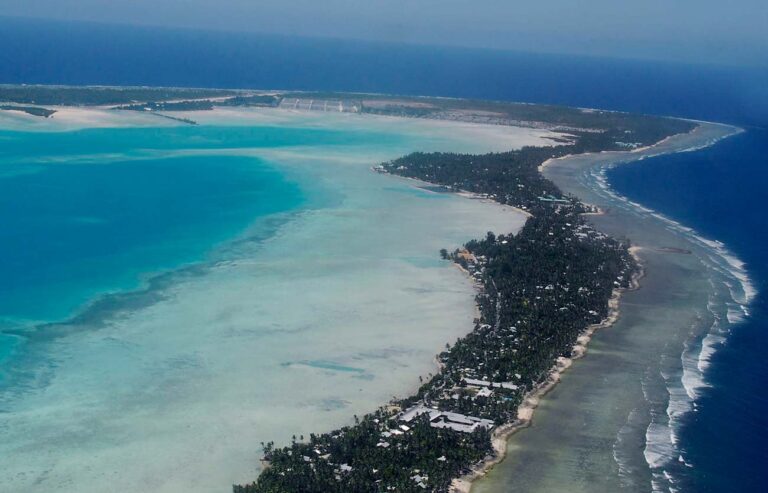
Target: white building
[447, 419]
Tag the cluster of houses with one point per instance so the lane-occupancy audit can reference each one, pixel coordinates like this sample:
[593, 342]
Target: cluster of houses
[629, 145]
[445, 419]
[473, 265]
[451, 420]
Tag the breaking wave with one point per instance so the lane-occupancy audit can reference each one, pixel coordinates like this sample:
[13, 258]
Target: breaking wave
[732, 291]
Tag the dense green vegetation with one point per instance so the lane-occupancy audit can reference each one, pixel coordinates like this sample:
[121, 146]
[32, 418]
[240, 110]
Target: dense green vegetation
[198, 105]
[32, 110]
[510, 177]
[538, 290]
[353, 459]
[259, 100]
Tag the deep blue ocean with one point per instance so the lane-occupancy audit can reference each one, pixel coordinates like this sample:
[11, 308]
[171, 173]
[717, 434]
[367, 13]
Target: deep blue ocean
[719, 191]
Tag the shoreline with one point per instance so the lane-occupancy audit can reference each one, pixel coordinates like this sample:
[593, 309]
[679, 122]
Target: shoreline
[461, 193]
[501, 435]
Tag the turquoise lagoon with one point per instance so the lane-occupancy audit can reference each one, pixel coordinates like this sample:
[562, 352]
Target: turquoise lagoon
[174, 295]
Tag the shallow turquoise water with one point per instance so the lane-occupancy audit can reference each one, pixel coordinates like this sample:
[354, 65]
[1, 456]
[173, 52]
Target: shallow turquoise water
[72, 231]
[91, 211]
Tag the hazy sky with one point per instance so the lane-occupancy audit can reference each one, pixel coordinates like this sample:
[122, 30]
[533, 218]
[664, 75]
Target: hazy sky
[734, 31]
